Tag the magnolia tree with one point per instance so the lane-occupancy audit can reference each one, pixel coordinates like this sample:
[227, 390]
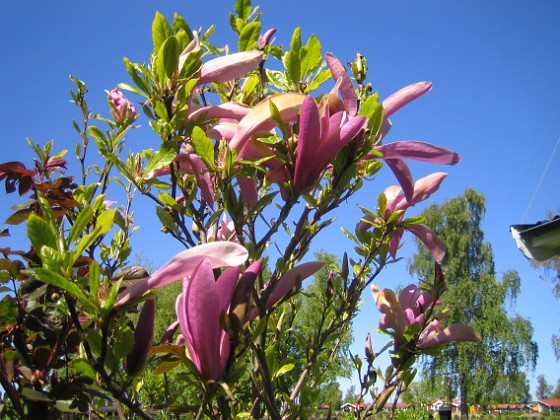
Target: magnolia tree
[251, 164]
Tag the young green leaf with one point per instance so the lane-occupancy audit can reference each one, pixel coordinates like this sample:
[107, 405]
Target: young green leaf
[84, 218]
[40, 233]
[310, 56]
[203, 147]
[162, 158]
[249, 36]
[160, 31]
[167, 59]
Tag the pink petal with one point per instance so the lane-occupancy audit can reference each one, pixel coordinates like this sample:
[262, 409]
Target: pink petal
[308, 144]
[426, 186]
[395, 242]
[259, 119]
[409, 295]
[219, 254]
[288, 281]
[404, 96]
[203, 310]
[248, 188]
[403, 175]
[417, 150]
[452, 334]
[430, 239]
[347, 90]
[229, 67]
[388, 304]
[230, 110]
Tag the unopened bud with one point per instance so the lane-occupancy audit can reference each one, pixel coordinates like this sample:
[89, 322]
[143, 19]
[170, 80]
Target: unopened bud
[359, 68]
[265, 38]
[143, 337]
[330, 286]
[122, 110]
[370, 355]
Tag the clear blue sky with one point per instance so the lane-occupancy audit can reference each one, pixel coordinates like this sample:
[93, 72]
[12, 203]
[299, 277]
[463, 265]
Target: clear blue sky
[494, 65]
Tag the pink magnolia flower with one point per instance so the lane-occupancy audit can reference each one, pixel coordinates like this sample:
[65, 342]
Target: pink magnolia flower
[219, 254]
[321, 137]
[199, 308]
[422, 190]
[409, 309]
[229, 67]
[122, 110]
[224, 231]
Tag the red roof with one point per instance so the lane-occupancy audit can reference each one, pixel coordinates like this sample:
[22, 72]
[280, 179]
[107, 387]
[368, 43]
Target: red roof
[550, 403]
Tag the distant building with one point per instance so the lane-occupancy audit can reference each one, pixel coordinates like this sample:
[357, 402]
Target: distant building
[549, 405]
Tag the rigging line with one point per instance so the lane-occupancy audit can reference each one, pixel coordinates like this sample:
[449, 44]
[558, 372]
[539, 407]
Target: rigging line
[541, 180]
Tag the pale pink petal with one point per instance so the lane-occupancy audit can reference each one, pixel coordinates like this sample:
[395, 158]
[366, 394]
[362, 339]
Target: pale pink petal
[426, 186]
[219, 254]
[248, 188]
[229, 110]
[452, 334]
[404, 96]
[259, 119]
[430, 239]
[347, 90]
[389, 305]
[409, 295]
[229, 67]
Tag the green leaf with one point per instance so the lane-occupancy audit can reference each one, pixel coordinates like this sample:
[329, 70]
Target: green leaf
[124, 343]
[243, 9]
[40, 233]
[166, 219]
[373, 110]
[249, 36]
[103, 224]
[134, 70]
[292, 58]
[161, 159]
[167, 59]
[93, 281]
[160, 31]
[55, 279]
[179, 23]
[283, 370]
[203, 147]
[310, 56]
[85, 216]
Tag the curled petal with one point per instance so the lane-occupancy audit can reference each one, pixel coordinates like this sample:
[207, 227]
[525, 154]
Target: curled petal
[403, 175]
[229, 67]
[308, 144]
[229, 110]
[219, 254]
[430, 239]
[395, 242]
[404, 96]
[346, 87]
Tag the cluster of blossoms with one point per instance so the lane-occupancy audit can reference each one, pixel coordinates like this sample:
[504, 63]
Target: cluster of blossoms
[243, 148]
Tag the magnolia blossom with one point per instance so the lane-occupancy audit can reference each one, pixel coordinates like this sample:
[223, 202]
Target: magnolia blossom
[122, 110]
[423, 188]
[224, 231]
[218, 254]
[410, 308]
[200, 307]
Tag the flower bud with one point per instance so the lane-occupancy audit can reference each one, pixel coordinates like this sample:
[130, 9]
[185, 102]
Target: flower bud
[122, 110]
[265, 38]
[370, 355]
[143, 337]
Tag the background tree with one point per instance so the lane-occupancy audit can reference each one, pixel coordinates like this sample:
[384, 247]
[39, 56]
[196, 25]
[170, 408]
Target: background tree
[477, 298]
[511, 389]
[544, 389]
[351, 395]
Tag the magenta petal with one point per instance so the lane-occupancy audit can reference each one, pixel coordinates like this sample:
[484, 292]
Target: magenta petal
[288, 281]
[417, 150]
[248, 189]
[409, 295]
[404, 96]
[225, 286]
[308, 144]
[203, 178]
[346, 86]
[430, 239]
[395, 242]
[403, 175]
[181, 310]
[203, 317]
